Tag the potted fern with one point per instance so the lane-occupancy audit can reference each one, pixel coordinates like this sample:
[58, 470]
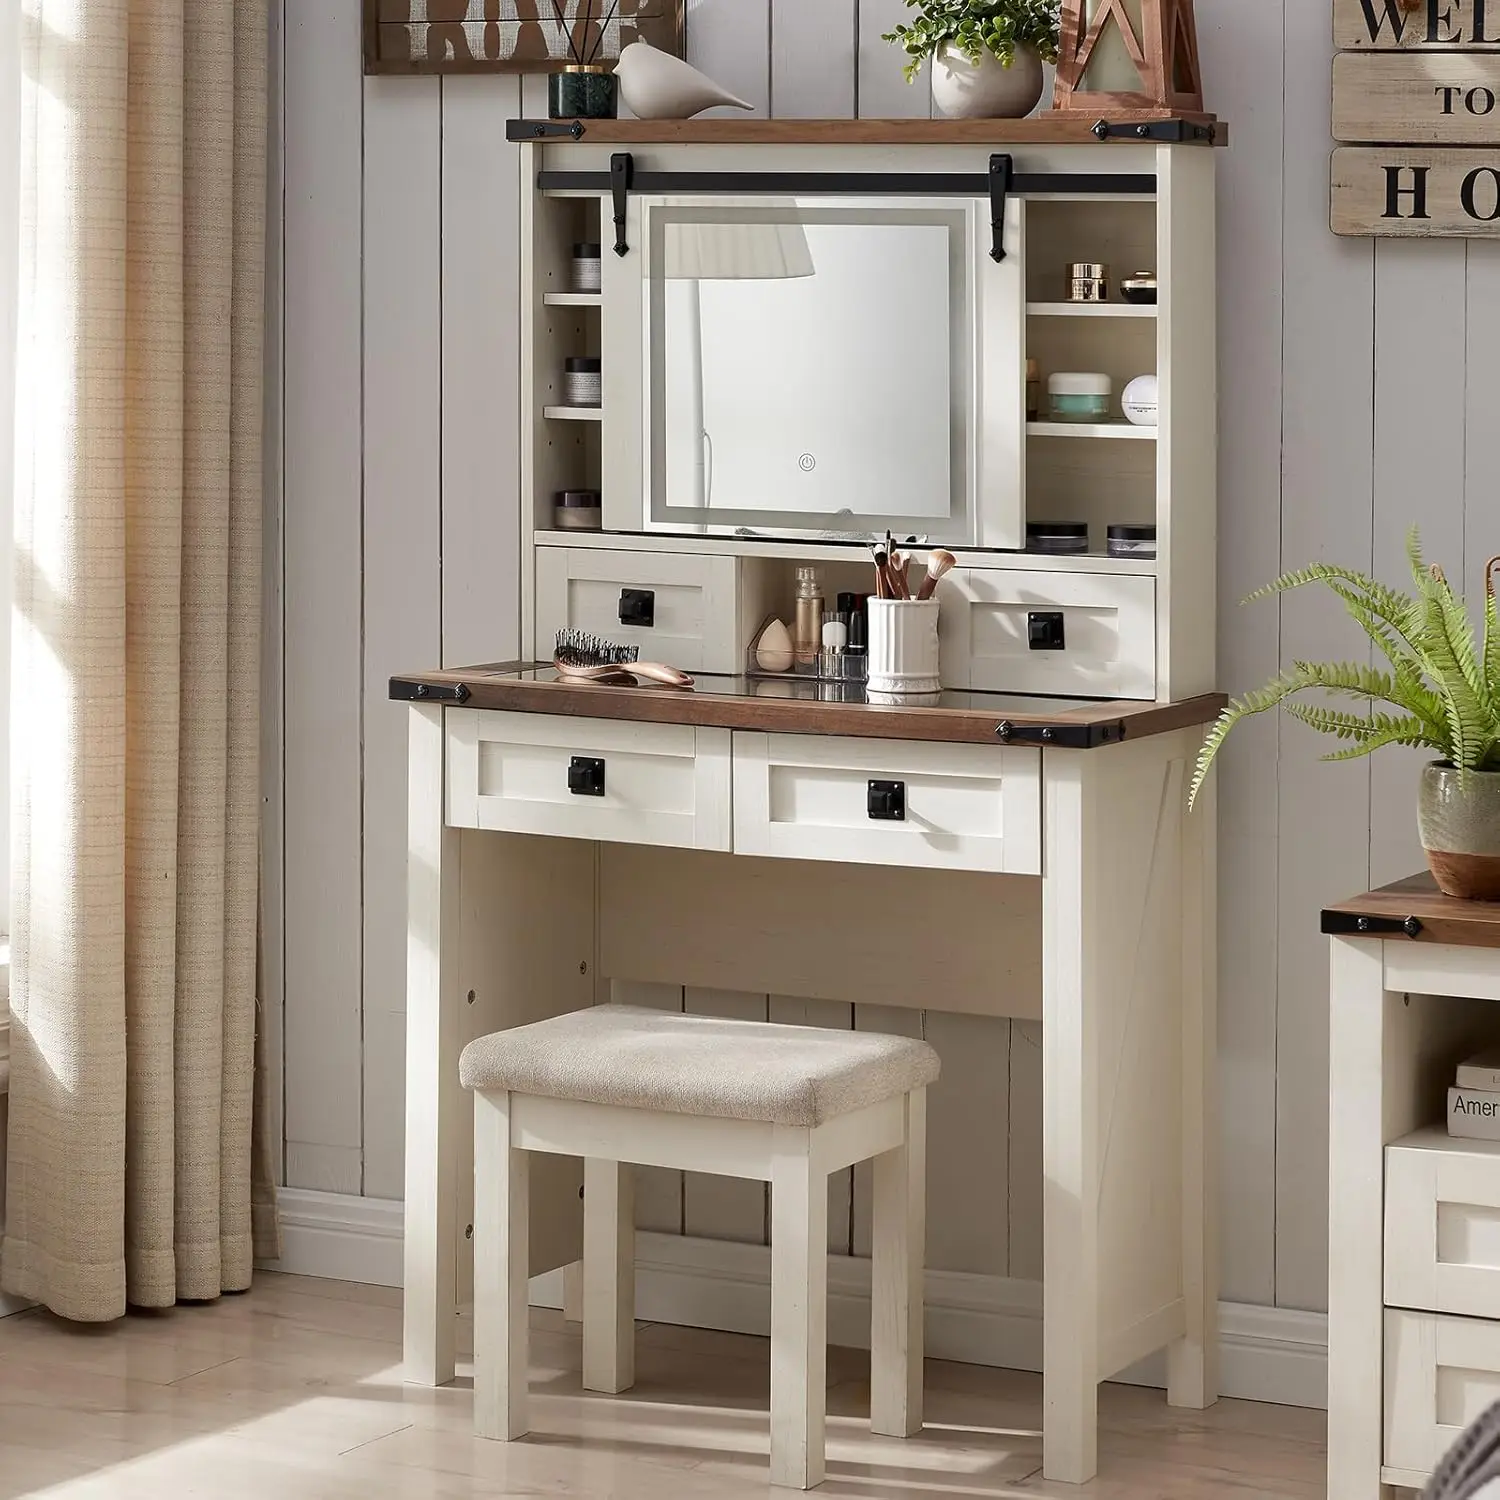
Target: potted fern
[986, 55]
[1438, 688]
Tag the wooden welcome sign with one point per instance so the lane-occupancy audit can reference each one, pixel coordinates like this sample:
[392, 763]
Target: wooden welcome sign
[1418, 87]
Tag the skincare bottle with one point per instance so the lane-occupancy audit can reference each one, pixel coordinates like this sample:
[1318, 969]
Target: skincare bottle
[807, 636]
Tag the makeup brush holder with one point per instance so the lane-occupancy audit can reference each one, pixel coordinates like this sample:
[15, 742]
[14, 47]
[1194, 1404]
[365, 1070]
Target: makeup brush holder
[904, 647]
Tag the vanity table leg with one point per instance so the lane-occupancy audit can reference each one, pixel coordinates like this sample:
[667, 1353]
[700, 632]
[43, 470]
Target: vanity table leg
[436, 1114]
[1070, 1128]
[1193, 1361]
[1360, 1015]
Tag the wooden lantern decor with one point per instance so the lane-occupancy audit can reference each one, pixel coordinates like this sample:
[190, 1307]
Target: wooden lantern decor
[1129, 59]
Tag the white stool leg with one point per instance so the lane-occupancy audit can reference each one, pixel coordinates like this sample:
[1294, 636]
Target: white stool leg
[900, 1232]
[799, 1311]
[608, 1276]
[502, 1194]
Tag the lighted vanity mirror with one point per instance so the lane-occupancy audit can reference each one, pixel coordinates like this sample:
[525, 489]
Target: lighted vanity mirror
[810, 367]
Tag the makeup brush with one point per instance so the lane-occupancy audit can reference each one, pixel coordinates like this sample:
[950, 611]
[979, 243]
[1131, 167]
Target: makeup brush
[938, 564]
[895, 568]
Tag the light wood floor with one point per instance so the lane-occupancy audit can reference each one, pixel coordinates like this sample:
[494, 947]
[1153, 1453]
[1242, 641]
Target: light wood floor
[294, 1391]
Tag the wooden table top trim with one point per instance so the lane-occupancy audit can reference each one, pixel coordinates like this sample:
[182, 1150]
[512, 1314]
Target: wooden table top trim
[1044, 130]
[495, 687]
[1415, 910]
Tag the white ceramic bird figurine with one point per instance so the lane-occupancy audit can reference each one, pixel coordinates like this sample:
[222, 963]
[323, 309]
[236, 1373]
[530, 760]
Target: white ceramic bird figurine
[657, 86]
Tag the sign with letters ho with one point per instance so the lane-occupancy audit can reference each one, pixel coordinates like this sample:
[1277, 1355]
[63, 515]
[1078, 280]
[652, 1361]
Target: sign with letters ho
[1416, 90]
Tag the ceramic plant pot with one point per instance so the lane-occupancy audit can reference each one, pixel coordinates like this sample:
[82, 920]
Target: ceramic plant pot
[1459, 818]
[657, 86]
[986, 90]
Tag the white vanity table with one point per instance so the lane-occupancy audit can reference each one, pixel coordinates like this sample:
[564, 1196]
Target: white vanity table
[989, 852]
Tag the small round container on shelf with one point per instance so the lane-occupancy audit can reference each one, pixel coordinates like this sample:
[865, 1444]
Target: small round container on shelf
[1057, 538]
[583, 382]
[1139, 401]
[588, 269]
[1140, 289]
[1079, 396]
[577, 510]
[1088, 281]
[1132, 541]
[904, 657]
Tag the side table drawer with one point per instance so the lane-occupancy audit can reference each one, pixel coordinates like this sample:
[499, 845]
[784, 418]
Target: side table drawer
[1440, 1374]
[1442, 1225]
[666, 784]
[885, 802]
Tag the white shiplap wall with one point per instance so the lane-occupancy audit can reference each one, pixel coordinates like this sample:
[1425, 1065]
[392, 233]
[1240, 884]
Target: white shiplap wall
[1360, 384]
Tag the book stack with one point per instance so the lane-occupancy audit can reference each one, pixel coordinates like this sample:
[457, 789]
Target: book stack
[1474, 1099]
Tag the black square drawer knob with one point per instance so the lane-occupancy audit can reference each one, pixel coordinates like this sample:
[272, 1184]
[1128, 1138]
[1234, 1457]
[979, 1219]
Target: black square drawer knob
[638, 607]
[1046, 631]
[887, 801]
[586, 776]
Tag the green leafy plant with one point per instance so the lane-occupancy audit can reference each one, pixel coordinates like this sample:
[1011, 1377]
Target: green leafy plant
[1442, 682]
[979, 26]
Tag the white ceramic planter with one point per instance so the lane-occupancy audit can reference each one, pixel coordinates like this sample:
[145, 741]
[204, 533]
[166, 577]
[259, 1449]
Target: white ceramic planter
[904, 647]
[986, 90]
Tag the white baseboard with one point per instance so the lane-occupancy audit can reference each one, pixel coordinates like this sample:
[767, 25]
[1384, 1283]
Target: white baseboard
[1269, 1354]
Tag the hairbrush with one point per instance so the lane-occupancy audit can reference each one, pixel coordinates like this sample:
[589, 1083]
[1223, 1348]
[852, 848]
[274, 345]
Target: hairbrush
[580, 657]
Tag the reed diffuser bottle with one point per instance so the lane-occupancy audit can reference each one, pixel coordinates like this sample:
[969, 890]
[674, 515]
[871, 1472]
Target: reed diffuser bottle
[807, 637]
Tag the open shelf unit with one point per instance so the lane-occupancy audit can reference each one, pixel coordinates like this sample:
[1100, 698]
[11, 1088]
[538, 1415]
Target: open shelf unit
[1090, 310]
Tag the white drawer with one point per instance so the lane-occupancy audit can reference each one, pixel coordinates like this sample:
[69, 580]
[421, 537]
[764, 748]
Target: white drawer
[1442, 1225]
[662, 783]
[966, 807]
[691, 600]
[1095, 633]
[1440, 1374]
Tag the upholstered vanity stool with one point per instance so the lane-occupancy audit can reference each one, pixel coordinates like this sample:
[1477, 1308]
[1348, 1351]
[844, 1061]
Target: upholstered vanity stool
[784, 1104]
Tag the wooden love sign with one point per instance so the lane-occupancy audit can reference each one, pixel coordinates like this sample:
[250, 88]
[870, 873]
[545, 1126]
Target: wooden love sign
[1418, 86]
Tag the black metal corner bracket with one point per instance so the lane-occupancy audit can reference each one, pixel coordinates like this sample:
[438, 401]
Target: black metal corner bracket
[542, 130]
[621, 180]
[1164, 132]
[1061, 736]
[1345, 924]
[427, 692]
[1002, 179]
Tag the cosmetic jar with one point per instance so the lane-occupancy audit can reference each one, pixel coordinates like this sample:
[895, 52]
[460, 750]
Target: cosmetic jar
[1079, 397]
[1060, 538]
[1140, 288]
[588, 268]
[583, 382]
[1033, 391]
[577, 510]
[1088, 281]
[1132, 541]
[1138, 401]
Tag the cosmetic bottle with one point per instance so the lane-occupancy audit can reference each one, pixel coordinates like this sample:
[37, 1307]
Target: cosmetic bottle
[807, 635]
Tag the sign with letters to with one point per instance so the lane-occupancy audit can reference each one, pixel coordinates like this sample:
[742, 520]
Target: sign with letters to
[1416, 94]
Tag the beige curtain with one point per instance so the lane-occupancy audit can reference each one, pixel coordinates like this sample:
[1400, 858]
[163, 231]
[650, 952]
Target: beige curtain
[136, 658]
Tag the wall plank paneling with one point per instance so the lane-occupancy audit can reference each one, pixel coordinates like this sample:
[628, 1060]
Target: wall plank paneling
[1251, 234]
[1360, 385]
[813, 72]
[730, 40]
[403, 371]
[324, 542]
[884, 93]
[1328, 327]
[481, 371]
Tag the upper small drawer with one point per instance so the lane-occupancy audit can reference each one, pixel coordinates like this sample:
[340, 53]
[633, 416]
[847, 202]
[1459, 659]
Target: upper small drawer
[886, 802]
[1442, 1225]
[625, 783]
[679, 608]
[1076, 634]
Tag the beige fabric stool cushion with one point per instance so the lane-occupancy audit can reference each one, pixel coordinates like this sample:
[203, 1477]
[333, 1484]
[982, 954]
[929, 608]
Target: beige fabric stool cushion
[699, 1065]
